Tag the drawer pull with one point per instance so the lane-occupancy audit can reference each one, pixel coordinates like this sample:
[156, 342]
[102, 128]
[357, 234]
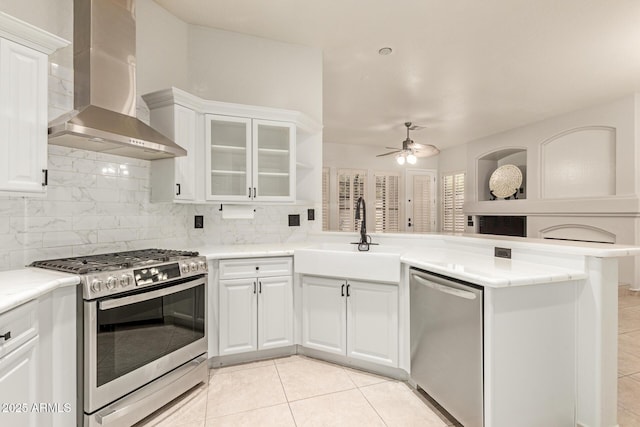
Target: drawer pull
[6, 336]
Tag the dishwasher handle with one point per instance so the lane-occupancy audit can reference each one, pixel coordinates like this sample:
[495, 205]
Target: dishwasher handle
[443, 288]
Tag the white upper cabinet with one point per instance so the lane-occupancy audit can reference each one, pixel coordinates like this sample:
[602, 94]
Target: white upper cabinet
[243, 153]
[228, 158]
[24, 52]
[175, 179]
[250, 159]
[274, 161]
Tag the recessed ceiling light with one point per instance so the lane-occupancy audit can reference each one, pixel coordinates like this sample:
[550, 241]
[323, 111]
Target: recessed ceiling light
[385, 51]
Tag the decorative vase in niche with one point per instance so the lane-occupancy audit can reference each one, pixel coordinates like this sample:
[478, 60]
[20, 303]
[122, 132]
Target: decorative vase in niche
[505, 182]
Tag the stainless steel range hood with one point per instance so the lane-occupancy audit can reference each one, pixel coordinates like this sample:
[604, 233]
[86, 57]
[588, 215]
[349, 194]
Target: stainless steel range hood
[104, 57]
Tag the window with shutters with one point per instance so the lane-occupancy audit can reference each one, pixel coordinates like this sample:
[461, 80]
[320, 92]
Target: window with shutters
[423, 203]
[352, 184]
[325, 199]
[387, 204]
[452, 202]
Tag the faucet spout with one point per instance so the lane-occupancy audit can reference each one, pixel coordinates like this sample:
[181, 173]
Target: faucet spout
[363, 244]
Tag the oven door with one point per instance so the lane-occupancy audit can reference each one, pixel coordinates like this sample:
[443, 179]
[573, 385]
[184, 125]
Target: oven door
[131, 340]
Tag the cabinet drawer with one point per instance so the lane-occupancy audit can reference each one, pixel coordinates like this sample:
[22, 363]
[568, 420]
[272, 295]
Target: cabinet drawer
[22, 325]
[255, 267]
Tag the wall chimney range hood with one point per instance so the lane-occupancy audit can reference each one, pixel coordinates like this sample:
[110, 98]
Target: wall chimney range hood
[104, 57]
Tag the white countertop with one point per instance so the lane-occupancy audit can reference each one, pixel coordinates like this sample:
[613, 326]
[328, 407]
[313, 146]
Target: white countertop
[250, 251]
[482, 269]
[426, 251]
[20, 286]
[488, 271]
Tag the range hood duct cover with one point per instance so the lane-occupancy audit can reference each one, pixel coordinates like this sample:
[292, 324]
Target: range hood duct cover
[104, 58]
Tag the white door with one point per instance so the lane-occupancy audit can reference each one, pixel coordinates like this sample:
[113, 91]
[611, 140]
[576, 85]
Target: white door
[23, 118]
[420, 198]
[18, 387]
[228, 158]
[372, 322]
[274, 161]
[275, 312]
[324, 318]
[185, 136]
[238, 321]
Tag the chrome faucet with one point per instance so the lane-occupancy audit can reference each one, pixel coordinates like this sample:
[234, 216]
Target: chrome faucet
[365, 241]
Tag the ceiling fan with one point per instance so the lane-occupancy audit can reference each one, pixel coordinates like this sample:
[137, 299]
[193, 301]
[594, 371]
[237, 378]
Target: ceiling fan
[410, 150]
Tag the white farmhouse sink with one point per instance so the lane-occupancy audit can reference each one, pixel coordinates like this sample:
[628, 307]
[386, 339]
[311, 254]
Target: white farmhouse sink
[380, 263]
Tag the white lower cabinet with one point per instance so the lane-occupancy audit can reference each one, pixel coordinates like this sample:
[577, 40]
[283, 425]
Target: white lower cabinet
[351, 318]
[256, 312]
[38, 362]
[18, 387]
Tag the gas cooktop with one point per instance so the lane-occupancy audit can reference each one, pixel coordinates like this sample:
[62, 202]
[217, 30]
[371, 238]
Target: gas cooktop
[112, 273]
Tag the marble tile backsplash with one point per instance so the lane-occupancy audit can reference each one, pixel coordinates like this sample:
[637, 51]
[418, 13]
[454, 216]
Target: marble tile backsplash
[98, 203]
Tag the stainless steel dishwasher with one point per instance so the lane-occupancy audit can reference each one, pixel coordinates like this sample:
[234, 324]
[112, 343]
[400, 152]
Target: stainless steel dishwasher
[446, 344]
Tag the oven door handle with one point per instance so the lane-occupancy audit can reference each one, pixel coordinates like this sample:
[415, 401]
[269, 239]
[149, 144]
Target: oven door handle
[146, 296]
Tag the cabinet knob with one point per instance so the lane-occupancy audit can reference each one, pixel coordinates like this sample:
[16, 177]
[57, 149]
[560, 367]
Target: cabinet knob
[45, 180]
[178, 190]
[6, 336]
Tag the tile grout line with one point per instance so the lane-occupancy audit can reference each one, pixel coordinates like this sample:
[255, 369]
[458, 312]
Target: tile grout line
[373, 407]
[284, 390]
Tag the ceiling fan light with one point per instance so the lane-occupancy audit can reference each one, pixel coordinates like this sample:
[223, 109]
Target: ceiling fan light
[400, 159]
[411, 159]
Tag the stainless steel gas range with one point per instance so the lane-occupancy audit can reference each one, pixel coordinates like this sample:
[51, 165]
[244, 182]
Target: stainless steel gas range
[142, 333]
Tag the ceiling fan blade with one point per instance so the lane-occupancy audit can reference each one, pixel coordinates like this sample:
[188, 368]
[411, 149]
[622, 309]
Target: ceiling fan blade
[392, 148]
[426, 151]
[388, 154]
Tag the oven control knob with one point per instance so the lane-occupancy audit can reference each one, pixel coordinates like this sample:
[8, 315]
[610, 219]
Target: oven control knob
[96, 285]
[126, 280]
[112, 282]
[193, 266]
[202, 266]
[184, 268]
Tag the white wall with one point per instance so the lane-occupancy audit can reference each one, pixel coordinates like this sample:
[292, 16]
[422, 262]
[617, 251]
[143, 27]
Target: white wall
[161, 49]
[233, 67]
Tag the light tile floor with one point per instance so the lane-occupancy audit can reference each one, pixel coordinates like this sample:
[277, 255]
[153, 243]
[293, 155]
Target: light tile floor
[628, 357]
[298, 391]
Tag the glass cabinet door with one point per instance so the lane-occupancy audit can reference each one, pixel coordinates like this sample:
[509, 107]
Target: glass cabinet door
[228, 158]
[273, 160]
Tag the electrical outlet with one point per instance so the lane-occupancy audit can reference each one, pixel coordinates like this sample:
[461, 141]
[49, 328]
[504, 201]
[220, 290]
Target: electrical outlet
[502, 252]
[294, 220]
[311, 214]
[199, 221]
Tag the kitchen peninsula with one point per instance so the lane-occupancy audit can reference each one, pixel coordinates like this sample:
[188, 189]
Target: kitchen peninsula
[550, 314]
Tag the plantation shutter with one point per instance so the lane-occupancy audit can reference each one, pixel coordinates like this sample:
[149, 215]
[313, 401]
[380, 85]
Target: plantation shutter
[351, 186]
[423, 201]
[387, 204]
[325, 199]
[452, 202]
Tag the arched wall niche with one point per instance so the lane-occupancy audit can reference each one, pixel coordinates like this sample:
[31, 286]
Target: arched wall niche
[579, 162]
[488, 162]
[578, 232]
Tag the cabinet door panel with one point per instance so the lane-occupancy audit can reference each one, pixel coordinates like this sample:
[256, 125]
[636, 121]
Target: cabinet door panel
[274, 160]
[18, 375]
[238, 322]
[323, 315]
[23, 118]
[275, 312]
[185, 136]
[372, 319]
[228, 158]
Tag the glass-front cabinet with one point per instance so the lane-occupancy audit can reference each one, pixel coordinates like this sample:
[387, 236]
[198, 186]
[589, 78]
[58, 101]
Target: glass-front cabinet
[250, 159]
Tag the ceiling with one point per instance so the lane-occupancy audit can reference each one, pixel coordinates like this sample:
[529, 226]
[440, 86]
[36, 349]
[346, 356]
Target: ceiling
[462, 68]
